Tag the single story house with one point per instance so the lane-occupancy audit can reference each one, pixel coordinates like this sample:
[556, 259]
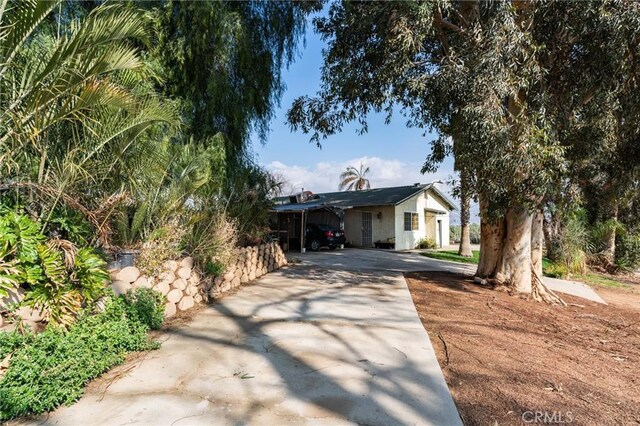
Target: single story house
[396, 217]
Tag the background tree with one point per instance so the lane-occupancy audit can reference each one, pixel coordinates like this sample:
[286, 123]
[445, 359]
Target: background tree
[354, 179]
[597, 122]
[223, 61]
[464, 248]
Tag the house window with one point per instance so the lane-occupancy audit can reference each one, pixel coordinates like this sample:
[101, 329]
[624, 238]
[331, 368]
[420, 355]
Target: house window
[410, 221]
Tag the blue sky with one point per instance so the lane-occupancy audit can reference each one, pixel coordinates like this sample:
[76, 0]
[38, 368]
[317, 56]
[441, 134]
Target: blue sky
[394, 152]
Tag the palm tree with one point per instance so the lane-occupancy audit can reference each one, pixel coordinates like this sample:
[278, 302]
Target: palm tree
[75, 107]
[354, 179]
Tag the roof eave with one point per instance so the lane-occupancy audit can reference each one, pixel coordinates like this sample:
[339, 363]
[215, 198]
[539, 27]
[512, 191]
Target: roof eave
[418, 190]
[439, 193]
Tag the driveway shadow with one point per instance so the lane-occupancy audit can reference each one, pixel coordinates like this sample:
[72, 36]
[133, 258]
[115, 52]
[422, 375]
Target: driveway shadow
[377, 347]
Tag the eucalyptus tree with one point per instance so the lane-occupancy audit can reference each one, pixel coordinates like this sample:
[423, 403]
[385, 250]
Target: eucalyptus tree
[499, 76]
[597, 110]
[609, 172]
[464, 248]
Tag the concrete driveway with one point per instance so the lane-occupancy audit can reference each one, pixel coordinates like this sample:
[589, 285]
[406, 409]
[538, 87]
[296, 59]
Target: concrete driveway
[332, 340]
[412, 261]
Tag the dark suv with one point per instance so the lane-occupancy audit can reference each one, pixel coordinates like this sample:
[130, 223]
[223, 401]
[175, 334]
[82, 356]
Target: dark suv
[323, 236]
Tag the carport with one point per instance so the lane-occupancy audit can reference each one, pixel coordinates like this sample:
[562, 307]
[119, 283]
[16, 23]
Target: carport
[289, 221]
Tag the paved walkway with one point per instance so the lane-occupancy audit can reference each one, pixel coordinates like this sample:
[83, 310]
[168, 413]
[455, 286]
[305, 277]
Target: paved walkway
[563, 286]
[333, 340]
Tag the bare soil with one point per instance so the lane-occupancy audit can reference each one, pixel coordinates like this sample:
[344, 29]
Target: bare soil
[513, 361]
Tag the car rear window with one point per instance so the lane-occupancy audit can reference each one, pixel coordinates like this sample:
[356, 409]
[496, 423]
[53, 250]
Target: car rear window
[325, 227]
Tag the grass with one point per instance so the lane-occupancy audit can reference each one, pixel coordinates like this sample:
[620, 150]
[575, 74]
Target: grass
[547, 266]
[452, 256]
[599, 280]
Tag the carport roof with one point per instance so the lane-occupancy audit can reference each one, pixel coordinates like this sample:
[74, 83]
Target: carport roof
[370, 197]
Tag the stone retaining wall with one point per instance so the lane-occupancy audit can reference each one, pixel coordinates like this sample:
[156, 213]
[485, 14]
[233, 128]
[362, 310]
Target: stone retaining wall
[251, 263]
[178, 282]
[183, 286]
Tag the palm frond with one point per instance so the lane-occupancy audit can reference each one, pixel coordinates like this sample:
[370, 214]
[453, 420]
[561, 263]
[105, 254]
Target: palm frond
[67, 82]
[9, 274]
[354, 179]
[21, 22]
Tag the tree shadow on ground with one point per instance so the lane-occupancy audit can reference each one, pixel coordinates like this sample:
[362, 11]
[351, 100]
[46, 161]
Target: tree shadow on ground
[386, 392]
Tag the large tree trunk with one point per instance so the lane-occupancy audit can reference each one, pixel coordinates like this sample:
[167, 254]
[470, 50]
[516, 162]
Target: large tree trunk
[491, 242]
[610, 238]
[511, 253]
[465, 232]
[515, 267]
[537, 243]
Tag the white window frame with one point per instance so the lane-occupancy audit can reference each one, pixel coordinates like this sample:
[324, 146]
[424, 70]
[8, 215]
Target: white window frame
[416, 221]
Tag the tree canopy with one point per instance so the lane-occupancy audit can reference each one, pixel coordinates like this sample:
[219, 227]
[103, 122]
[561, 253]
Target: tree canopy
[520, 86]
[223, 60]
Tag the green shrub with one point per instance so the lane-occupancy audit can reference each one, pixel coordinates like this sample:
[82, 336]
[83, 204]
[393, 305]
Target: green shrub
[70, 279]
[164, 243]
[213, 239]
[455, 232]
[556, 270]
[20, 238]
[213, 268]
[58, 277]
[69, 225]
[572, 246]
[426, 243]
[628, 251]
[599, 233]
[146, 306]
[51, 368]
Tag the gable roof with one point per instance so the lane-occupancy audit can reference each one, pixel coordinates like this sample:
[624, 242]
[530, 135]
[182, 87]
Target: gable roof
[369, 197]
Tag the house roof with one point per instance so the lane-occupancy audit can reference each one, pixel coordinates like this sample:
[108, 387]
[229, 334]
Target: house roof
[370, 197]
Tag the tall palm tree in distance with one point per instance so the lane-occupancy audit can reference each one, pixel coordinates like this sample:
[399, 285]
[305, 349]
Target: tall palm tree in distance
[354, 179]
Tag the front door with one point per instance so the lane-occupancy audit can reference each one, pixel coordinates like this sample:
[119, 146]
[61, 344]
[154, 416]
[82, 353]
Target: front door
[367, 229]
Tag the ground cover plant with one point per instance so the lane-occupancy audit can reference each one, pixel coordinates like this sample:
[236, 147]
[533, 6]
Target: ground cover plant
[51, 368]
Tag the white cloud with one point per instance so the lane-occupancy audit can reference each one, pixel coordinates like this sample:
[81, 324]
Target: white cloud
[325, 176]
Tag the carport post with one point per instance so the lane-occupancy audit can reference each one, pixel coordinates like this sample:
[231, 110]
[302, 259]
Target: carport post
[302, 233]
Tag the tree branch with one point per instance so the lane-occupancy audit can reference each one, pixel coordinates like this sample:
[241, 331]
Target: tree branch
[444, 23]
[438, 20]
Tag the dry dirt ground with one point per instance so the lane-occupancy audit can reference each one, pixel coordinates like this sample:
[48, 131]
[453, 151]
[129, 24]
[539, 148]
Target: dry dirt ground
[629, 297]
[512, 361]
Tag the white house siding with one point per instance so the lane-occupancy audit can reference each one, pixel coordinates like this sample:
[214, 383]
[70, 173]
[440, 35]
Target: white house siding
[382, 228]
[406, 240]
